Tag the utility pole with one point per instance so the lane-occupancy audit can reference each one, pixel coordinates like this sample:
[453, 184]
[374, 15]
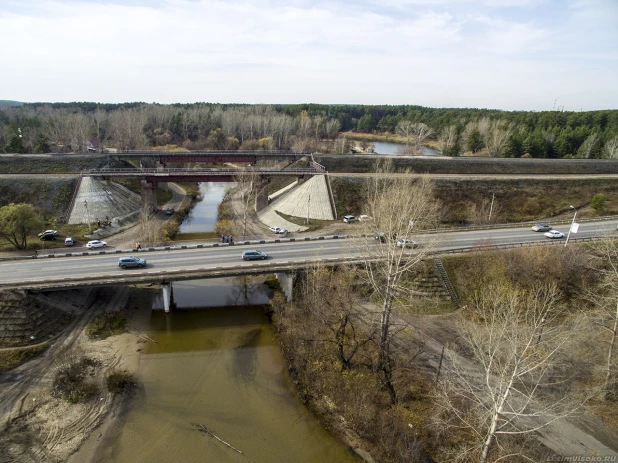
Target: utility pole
[572, 225]
[88, 216]
[491, 207]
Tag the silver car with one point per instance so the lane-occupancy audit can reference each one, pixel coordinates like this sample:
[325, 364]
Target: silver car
[131, 261]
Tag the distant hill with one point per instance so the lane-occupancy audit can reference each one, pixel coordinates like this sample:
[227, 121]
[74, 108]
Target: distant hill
[5, 103]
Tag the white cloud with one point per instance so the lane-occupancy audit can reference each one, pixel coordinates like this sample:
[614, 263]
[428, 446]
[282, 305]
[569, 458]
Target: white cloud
[433, 52]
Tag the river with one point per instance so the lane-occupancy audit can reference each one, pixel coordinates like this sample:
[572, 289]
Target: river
[203, 215]
[384, 147]
[220, 367]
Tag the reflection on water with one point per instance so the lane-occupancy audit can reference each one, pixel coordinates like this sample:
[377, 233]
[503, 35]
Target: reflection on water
[222, 368]
[203, 215]
[384, 147]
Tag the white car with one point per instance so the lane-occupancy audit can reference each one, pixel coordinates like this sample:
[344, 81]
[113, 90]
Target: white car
[349, 219]
[554, 234]
[96, 244]
[275, 229]
[69, 241]
[365, 218]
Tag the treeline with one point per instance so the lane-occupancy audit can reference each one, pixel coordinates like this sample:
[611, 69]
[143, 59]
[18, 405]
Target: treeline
[43, 127]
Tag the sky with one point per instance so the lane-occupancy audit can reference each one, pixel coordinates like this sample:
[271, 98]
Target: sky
[502, 54]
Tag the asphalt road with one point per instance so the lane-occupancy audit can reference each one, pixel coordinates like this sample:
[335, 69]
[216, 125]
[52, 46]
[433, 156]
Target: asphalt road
[15, 273]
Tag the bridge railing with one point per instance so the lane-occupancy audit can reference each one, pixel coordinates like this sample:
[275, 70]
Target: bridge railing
[188, 171]
[212, 153]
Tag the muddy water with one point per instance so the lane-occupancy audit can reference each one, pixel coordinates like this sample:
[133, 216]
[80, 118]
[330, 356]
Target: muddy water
[203, 215]
[219, 367]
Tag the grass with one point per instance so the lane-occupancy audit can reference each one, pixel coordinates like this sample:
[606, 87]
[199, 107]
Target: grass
[314, 224]
[10, 359]
[163, 196]
[107, 324]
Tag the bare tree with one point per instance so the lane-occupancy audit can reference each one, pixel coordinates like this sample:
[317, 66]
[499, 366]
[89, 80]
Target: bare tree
[246, 182]
[79, 125]
[606, 302]
[405, 129]
[342, 145]
[495, 135]
[127, 127]
[448, 140]
[420, 133]
[330, 297]
[332, 128]
[611, 148]
[515, 383]
[401, 205]
[589, 146]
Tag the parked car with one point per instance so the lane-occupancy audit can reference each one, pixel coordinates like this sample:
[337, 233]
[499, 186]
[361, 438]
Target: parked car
[169, 211]
[349, 219]
[275, 229]
[554, 234]
[47, 236]
[282, 232]
[252, 254]
[52, 232]
[541, 227]
[131, 261]
[404, 242]
[365, 218]
[69, 241]
[96, 244]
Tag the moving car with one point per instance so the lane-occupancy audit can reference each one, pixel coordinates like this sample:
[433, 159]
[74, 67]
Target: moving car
[47, 236]
[252, 254]
[96, 244]
[69, 241]
[541, 227]
[169, 211]
[349, 219]
[53, 232]
[404, 242]
[131, 261]
[554, 234]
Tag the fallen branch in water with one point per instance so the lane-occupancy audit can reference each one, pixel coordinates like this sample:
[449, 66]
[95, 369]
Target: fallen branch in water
[147, 338]
[203, 428]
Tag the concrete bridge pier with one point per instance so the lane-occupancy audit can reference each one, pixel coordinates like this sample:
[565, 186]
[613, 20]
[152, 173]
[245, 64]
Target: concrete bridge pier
[286, 280]
[167, 296]
[149, 197]
[261, 195]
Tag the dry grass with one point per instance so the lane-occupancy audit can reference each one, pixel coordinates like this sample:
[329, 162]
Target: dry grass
[10, 359]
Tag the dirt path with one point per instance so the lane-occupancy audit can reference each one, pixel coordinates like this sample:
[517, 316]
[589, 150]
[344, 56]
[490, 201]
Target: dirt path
[37, 427]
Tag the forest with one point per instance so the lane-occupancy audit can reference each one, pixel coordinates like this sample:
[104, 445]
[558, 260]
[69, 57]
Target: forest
[69, 127]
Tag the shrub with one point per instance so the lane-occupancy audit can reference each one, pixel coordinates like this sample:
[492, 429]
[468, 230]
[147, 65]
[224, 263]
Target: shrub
[598, 202]
[71, 382]
[107, 324]
[119, 381]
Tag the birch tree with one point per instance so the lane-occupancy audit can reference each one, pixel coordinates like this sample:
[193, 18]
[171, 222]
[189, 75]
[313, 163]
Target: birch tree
[611, 148]
[448, 140]
[420, 133]
[246, 182]
[516, 341]
[401, 206]
[404, 128]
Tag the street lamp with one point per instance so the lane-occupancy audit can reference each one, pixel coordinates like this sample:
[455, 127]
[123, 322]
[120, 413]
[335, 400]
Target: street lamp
[572, 225]
[88, 217]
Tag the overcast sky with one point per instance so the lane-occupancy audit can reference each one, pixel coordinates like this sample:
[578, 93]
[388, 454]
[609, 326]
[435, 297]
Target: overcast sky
[505, 54]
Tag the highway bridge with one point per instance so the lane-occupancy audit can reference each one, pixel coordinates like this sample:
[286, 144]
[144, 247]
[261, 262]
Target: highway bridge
[167, 264]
